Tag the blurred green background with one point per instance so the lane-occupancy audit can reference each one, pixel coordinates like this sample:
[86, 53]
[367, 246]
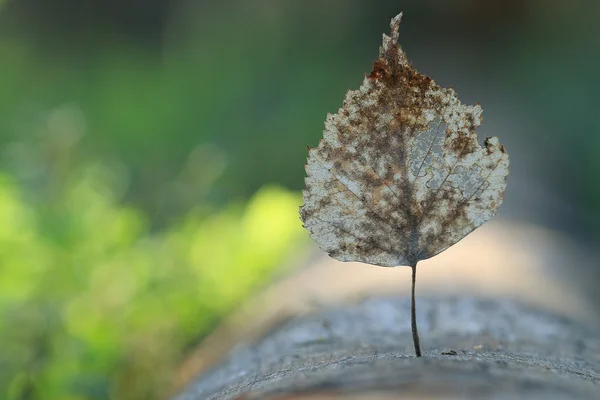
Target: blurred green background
[151, 157]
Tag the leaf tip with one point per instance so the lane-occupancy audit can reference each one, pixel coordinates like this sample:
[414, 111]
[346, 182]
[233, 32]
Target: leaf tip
[395, 24]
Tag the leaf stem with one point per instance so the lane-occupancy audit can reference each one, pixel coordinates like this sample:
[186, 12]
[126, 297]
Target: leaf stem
[413, 314]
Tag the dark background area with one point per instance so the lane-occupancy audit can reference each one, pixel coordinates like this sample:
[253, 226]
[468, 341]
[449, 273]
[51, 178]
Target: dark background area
[148, 149]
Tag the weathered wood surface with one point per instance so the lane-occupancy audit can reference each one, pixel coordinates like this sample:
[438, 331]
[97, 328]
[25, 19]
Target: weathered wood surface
[504, 350]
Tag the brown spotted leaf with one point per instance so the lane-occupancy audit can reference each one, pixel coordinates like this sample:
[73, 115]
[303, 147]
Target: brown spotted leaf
[400, 175]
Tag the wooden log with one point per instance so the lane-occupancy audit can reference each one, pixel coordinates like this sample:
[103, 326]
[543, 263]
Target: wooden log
[473, 348]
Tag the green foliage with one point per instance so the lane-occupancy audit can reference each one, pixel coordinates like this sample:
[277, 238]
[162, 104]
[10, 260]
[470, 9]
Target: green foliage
[94, 306]
[109, 275]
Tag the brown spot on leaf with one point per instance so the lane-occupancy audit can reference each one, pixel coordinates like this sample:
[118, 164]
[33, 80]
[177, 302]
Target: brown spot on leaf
[378, 70]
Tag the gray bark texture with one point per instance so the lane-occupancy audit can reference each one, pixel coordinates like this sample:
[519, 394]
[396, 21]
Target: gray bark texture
[472, 349]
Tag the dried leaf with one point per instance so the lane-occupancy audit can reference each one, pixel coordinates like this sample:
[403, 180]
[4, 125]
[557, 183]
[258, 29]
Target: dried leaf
[399, 175]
